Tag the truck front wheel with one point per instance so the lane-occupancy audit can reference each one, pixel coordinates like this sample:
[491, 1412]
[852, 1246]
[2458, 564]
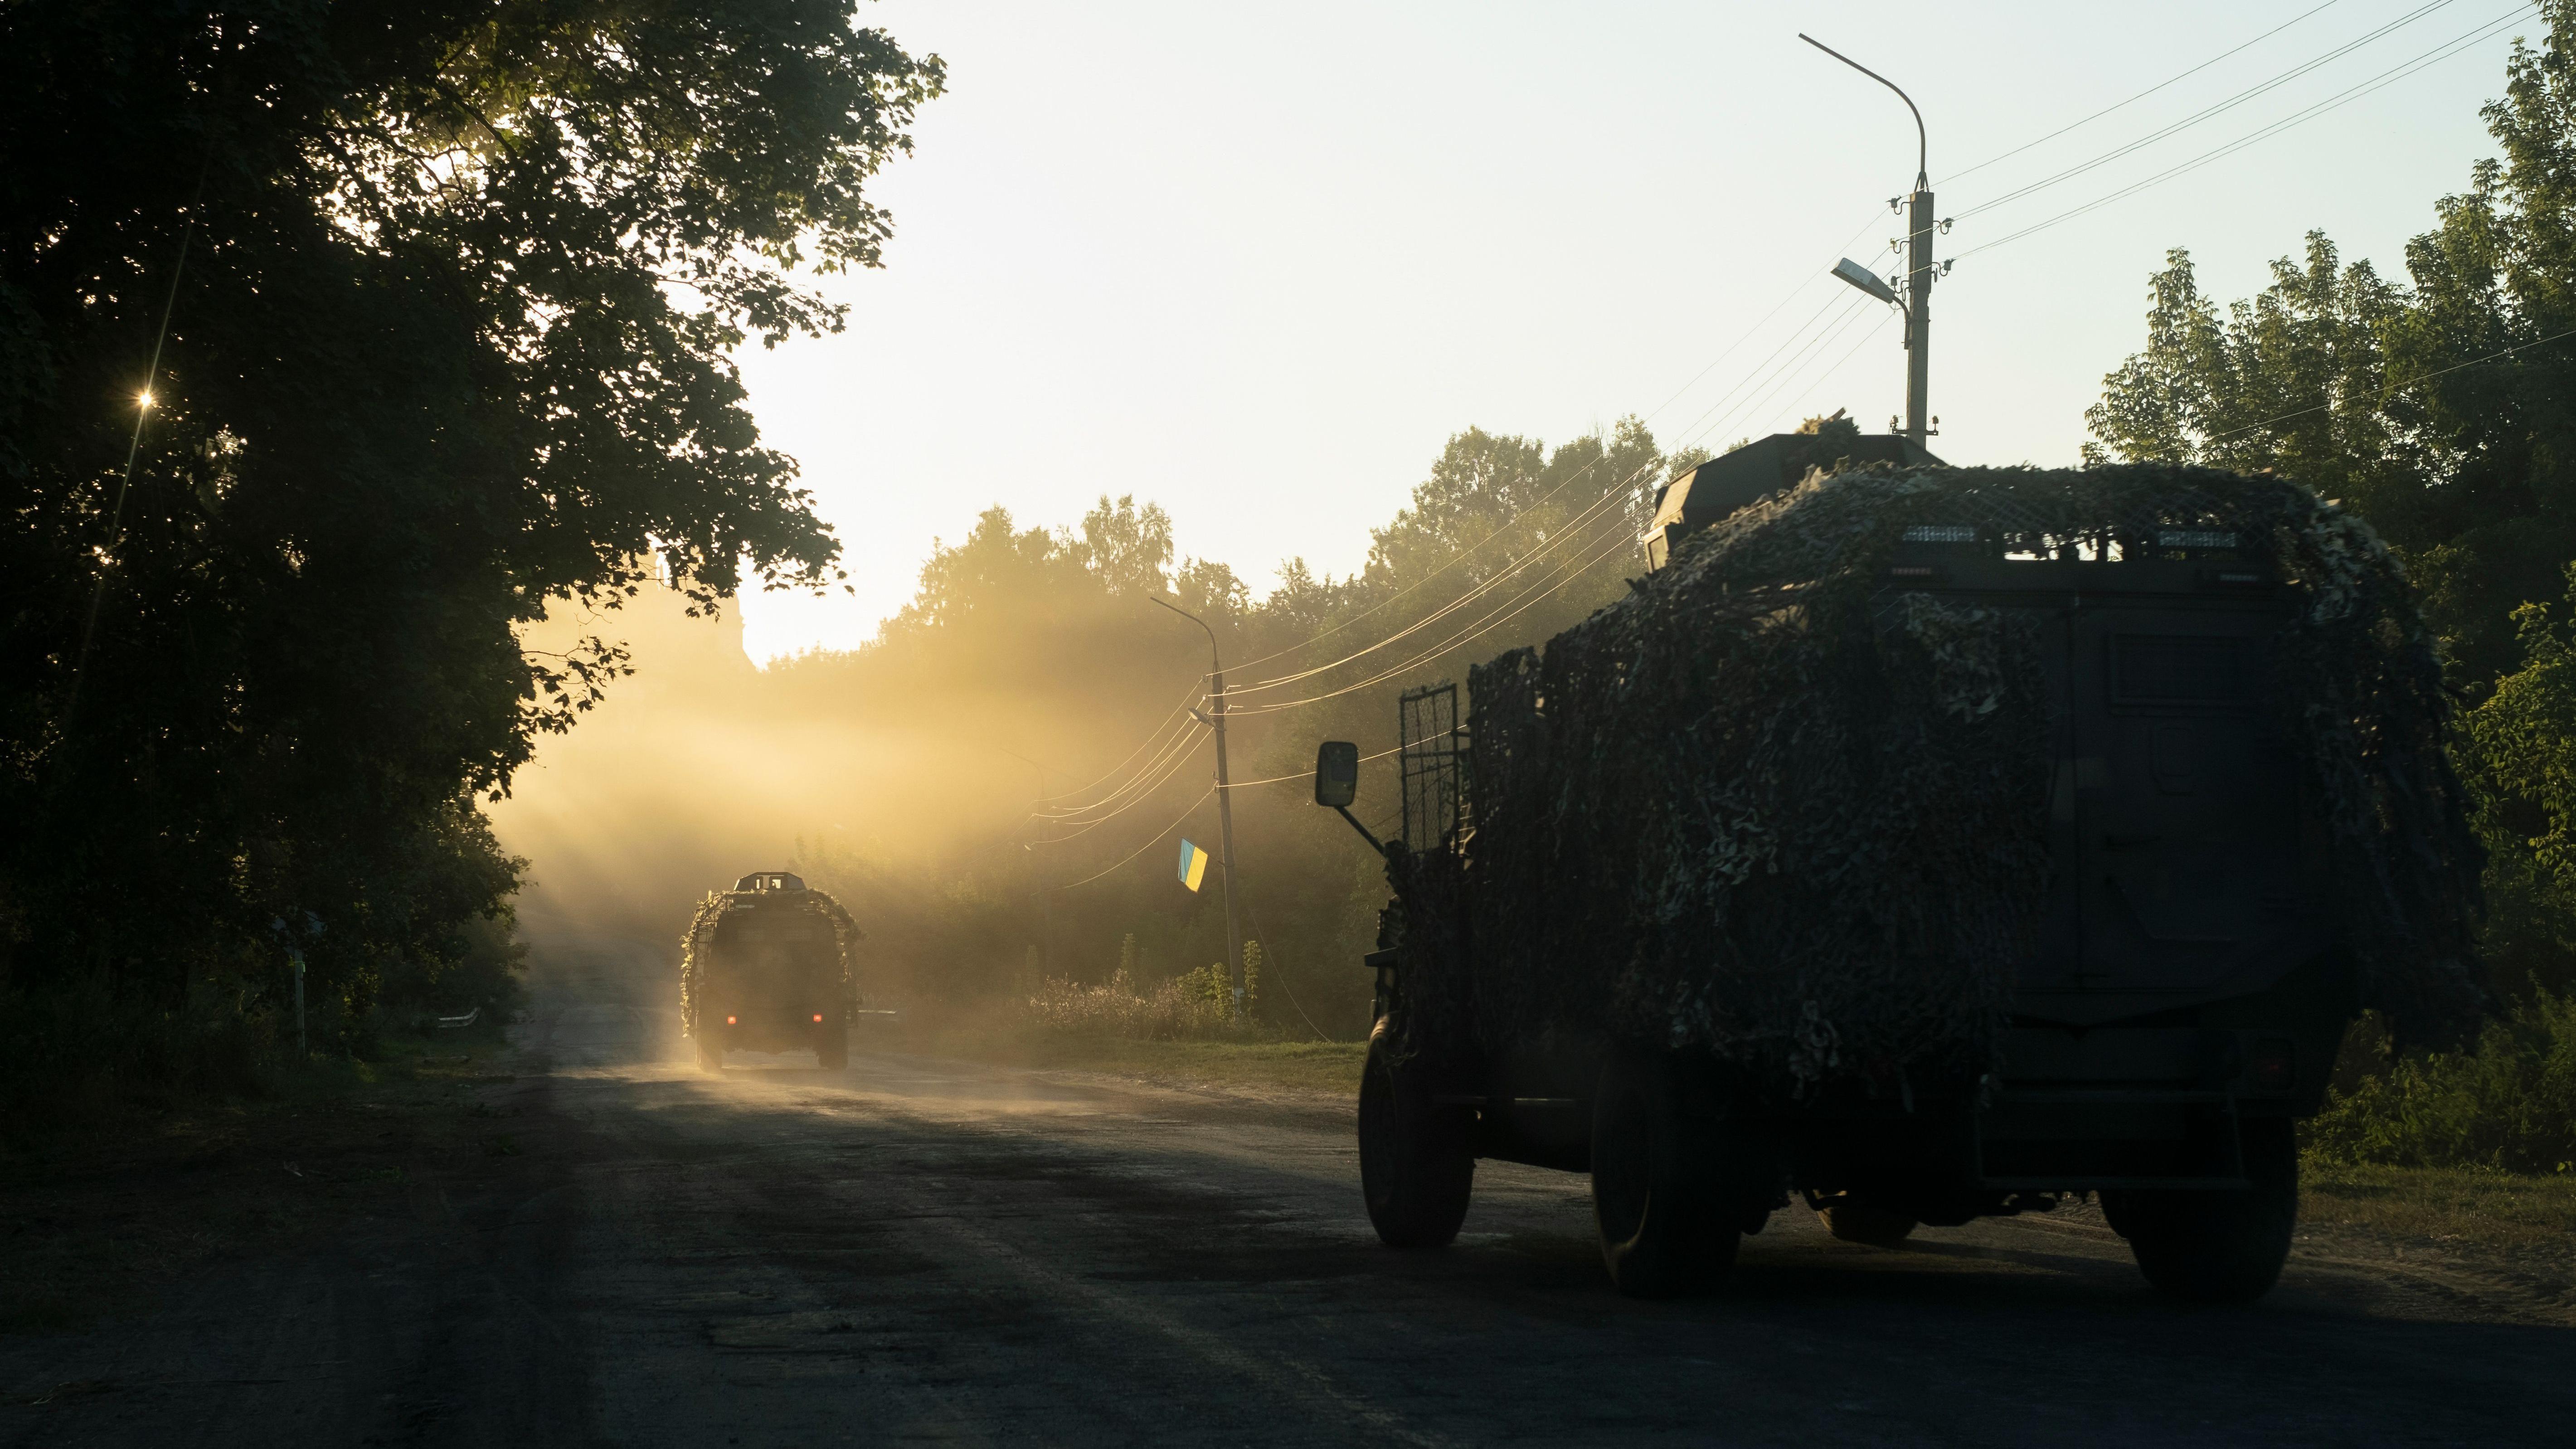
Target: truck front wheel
[1417, 1167]
[2217, 1247]
[1659, 1185]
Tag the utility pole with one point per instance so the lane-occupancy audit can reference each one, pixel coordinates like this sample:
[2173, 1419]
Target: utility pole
[1214, 719]
[1919, 269]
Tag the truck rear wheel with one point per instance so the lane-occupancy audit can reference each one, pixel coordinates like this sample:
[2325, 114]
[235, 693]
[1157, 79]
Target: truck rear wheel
[831, 1047]
[2217, 1247]
[710, 1055]
[1659, 1185]
[1855, 1220]
[1417, 1167]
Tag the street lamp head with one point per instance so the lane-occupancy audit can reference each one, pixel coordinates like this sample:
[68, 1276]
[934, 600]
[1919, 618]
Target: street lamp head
[1865, 279]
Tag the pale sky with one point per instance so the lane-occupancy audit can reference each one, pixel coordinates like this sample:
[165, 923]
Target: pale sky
[1258, 263]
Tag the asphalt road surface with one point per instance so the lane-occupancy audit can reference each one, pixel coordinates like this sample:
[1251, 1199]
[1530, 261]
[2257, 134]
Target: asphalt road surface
[930, 1251]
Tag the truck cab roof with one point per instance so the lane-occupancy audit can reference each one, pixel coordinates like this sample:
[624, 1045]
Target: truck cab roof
[1747, 475]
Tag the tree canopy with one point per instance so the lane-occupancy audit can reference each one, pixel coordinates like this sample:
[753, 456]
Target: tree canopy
[435, 303]
[2438, 408]
[2435, 406]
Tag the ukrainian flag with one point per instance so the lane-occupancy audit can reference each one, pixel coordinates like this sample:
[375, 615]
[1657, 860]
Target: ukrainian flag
[1193, 865]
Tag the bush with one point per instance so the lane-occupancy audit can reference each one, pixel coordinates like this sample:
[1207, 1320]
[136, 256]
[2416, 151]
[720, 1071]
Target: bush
[2508, 1103]
[1194, 1005]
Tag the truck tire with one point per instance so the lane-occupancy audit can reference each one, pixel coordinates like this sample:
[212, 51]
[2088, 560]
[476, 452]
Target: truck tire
[1417, 1166]
[832, 1047]
[2217, 1247]
[710, 1055]
[1854, 1220]
[1659, 1181]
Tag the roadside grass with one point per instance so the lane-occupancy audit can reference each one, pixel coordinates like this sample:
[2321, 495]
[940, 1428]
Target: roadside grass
[1298, 1066]
[94, 1216]
[2443, 1204]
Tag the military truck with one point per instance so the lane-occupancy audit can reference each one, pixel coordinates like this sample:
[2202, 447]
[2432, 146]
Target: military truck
[767, 967]
[1931, 843]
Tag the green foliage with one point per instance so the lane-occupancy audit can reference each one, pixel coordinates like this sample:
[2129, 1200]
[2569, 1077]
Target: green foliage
[2508, 1103]
[2375, 392]
[2388, 396]
[2519, 759]
[1035, 642]
[451, 340]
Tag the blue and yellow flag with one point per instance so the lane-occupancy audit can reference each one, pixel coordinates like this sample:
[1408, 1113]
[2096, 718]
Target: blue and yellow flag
[1193, 865]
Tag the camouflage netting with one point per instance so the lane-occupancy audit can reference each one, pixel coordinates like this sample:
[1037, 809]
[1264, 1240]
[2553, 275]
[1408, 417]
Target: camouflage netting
[1767, 807]
[696, 941]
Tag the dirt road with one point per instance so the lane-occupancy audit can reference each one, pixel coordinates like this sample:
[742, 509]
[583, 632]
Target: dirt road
[922, 1250]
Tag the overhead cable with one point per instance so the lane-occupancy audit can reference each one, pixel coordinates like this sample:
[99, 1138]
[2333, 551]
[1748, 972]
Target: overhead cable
[2140, 96]
[2395, 386]
[1148, 845]
[1157, 733]
[2340, 99]
[1507, 524]
[1275, 779]
[2208, 112]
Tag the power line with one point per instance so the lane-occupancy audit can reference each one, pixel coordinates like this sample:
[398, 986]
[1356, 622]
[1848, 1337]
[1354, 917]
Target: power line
[1143, 794]
[1179, 746]
[1157, 733]
[1564, 531]
[2395, 386]
[1851, 312]
[1507, 524]
[2140, 96]
[1491, 621]
[1482, 625]
[1806, 343]
[1764, 372]
[1502, 614]
[1275, 779]
[2207, 112]
[1148, 845]
[2385, 78]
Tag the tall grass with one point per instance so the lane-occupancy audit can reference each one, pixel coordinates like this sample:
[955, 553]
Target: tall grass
[2508, 1103]
[1195, 1006]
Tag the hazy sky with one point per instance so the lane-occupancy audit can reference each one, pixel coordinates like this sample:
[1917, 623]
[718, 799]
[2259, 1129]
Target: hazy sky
[1257, 263]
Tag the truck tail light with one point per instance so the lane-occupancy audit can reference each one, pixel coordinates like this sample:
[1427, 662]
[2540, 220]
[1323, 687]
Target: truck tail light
[2273, 1066]
[818, 1016]
[730, 1021]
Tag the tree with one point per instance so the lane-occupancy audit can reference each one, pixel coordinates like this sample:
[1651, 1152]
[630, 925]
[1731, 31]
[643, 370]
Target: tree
[2437, 408]
[449, 293]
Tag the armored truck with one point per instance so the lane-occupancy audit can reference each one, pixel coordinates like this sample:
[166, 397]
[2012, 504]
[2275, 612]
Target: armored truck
[767, 966]
[1929, 843]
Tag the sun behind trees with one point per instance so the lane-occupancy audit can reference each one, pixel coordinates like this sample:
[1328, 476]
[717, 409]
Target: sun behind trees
[906, 777]
[441, 301]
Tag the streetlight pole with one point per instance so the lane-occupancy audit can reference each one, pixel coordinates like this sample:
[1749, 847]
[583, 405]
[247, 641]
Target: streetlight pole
[1214, 719]
[1918, 262]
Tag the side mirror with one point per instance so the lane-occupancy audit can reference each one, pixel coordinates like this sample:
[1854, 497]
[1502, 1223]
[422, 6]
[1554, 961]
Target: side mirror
[1337, 774]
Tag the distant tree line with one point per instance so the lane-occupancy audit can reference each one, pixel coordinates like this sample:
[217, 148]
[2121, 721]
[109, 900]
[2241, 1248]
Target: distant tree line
[1039, 643]
[435, 304]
